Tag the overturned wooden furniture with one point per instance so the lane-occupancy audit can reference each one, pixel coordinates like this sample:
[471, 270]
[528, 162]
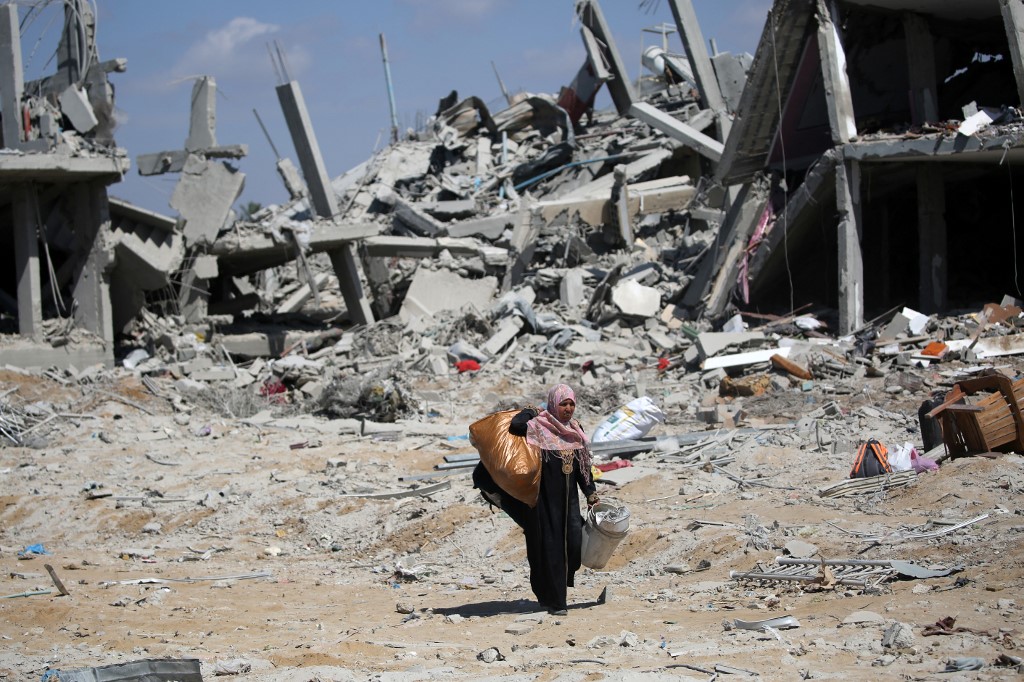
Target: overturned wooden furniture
[982, 415]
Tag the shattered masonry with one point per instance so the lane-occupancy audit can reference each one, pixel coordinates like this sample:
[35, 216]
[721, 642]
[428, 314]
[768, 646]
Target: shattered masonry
[713, 185]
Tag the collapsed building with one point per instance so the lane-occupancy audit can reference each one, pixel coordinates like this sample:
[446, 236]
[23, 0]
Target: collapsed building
[891, 129]
[547, 232]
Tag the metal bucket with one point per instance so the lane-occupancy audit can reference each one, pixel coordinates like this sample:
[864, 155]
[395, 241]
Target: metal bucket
[601, 537]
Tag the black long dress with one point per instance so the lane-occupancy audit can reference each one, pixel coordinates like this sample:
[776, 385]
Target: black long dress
[554, 527]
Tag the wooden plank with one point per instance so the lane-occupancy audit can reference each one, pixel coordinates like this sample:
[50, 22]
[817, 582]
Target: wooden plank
[56, 581]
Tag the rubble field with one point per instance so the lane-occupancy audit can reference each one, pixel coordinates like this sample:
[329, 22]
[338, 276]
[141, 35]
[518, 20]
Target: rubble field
[234, 440]
[287, 546]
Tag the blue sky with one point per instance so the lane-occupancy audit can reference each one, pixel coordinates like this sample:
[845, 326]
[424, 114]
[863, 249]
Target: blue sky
[332, 49]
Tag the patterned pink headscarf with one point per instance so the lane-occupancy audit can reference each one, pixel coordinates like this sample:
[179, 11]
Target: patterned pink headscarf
[548, 433]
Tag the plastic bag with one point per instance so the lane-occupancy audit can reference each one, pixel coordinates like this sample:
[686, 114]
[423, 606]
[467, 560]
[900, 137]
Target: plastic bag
[633, 420]
[900, 457]
[921, 463]
[513, 463]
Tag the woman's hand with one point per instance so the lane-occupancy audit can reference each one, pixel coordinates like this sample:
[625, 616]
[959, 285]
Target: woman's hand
[593, 499]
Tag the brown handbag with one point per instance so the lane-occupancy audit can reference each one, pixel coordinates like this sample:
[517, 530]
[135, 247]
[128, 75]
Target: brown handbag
[513, 463]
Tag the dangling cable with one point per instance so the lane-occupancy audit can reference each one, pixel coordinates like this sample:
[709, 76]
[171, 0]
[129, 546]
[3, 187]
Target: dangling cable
[1013, 222]
[785, 186]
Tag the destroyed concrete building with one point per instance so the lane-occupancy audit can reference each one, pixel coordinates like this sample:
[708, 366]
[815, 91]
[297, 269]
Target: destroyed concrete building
[563, 228]
[58, 159]
[891, 130]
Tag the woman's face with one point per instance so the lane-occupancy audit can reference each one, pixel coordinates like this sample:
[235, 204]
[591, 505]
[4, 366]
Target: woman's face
[565, 409]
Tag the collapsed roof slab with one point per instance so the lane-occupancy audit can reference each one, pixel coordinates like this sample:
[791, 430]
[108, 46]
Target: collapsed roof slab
[645, 198]
[432, 292]
[1006, 143]
[204, 196]
[773, 71]
[159, 163]
[245, 254]
[263, 344]
[490, 227]
[643, 168]
[31, 356]
[60, 168]
[388, 246]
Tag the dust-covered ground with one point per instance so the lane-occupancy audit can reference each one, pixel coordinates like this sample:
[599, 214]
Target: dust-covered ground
[251, 544]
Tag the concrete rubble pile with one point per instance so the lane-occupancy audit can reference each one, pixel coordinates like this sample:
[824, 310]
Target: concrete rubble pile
[290, 380]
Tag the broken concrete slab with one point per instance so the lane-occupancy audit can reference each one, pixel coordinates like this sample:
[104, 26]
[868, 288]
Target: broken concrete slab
[635, 299]
[507, 330]
[713, 343]
[204, 196]
[570, 289]
[490, 227]
[432, 292]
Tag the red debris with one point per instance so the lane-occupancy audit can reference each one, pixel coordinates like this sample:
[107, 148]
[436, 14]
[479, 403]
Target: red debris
[467, 366]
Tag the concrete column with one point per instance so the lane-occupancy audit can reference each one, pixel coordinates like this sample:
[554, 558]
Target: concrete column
[346, 267]
[921, 67]
[622, 207]
[26, 259]
[193, 296]
[12, 76]
[620, 86]
[700, 63]
[77, 21]
[931, 231]
[839, 101]
[851, 258]
[1013, 21]
[203, 115]
[378, 276]
[94, 259]
[321, 194]
[740, 222]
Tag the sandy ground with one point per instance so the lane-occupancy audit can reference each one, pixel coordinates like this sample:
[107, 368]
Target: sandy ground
[191, 535]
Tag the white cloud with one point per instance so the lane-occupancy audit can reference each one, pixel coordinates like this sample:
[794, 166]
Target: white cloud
[230, 48]
[440, 11]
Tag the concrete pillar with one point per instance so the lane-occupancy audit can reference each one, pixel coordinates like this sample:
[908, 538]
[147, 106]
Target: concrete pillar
[12, 76]
[378, 276]
[620, 86]
[931, 231]
[700, 63]
[321, 194]
[741, 221]
[622, 207]
[26, 259]
[94, 257]
[346, 267]
[851, 258]
[1013, 21]
[839, 101]
[193, 296]
[203, 115]
[78, 20]
[921, 67]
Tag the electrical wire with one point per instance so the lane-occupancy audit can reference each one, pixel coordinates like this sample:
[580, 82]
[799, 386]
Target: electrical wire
[1013, 221]
[782, 148]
